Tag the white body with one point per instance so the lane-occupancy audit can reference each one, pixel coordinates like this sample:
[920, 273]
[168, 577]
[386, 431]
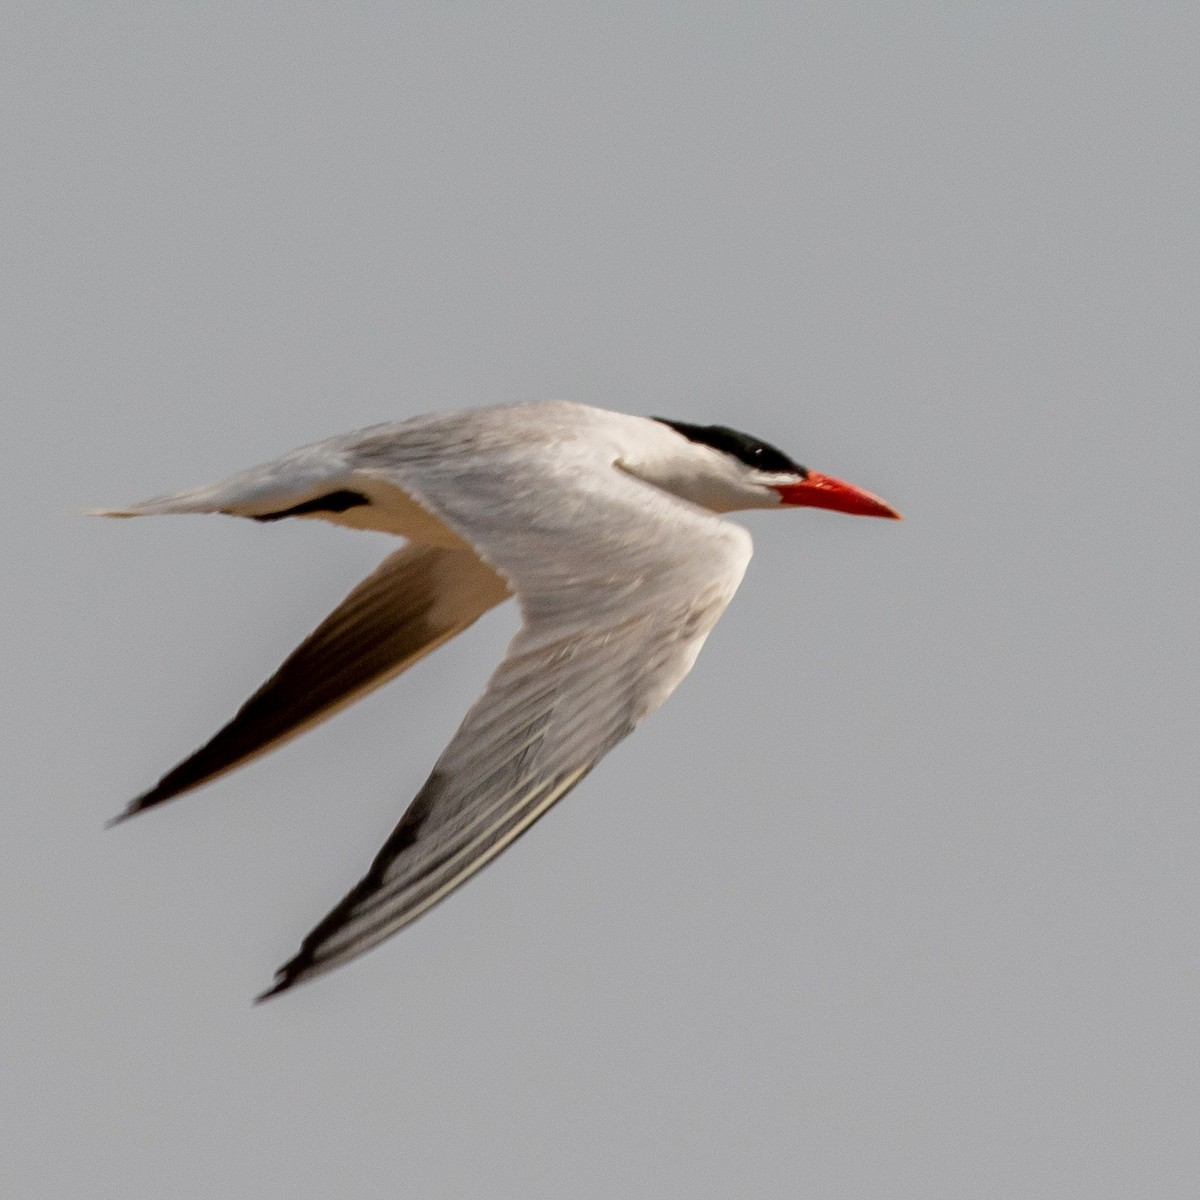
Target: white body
[603, 525]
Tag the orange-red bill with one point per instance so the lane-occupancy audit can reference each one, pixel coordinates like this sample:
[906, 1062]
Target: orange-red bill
[823, 491]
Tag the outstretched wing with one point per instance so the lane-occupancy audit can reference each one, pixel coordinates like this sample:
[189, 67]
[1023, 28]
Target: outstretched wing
[614, 618]
[418, 598]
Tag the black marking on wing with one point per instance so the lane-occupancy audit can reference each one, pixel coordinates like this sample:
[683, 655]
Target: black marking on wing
[401, 839]
[335, 502]
[745, 448]
[381, 627]
[316, 675]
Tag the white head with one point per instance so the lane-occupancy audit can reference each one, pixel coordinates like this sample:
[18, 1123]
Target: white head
[724, 470]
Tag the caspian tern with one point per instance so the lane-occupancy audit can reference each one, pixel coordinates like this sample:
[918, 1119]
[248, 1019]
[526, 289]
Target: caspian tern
[607, 529]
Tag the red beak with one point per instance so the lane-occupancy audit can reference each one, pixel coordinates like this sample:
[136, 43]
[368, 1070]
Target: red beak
[822, 491]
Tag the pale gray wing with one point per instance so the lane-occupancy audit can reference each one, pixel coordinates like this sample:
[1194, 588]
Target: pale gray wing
[610, 629]
[418, 598]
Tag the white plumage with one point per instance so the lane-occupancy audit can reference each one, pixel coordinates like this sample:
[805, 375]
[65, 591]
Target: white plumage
[603, 525]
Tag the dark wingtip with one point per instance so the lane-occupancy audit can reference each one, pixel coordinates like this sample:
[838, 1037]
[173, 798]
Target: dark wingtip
[155, 796]
[273, 990]
[130, 810]
[165, 789]
[296, 970]
[290, 974]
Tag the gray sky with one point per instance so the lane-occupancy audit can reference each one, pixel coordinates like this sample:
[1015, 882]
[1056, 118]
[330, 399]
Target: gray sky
[897, 897]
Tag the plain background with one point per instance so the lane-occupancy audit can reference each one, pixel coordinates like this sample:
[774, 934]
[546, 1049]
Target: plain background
[897, 897]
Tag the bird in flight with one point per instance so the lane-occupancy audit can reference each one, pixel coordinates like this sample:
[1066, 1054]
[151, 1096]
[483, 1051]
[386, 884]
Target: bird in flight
[608, 530]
